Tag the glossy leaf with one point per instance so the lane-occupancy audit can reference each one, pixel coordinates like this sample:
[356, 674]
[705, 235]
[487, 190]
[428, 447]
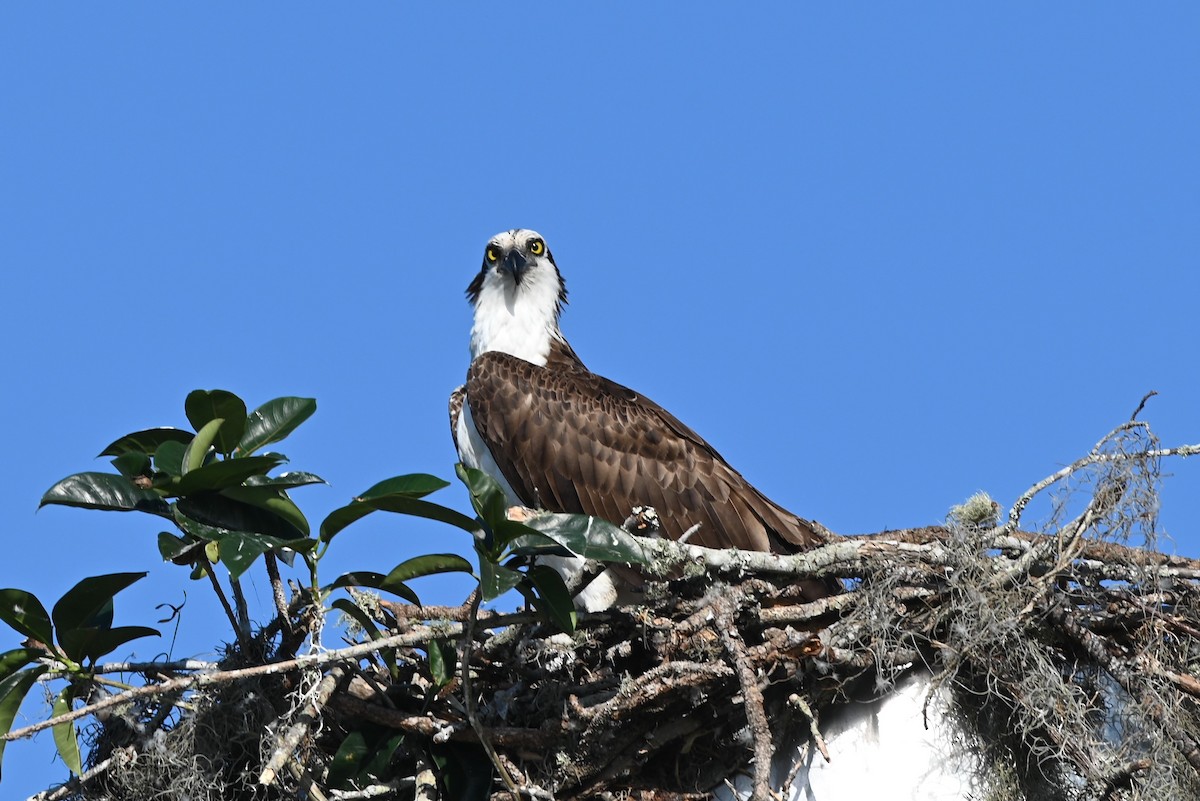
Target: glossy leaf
[204, 406]
[443, 661]
[554, 600]
[413, 485]
[428, 565]
[65, 738]
[495, 580]
[91, 644]
[132, 464]
[171, 546]
[273, 421]
[591, 537]
[218, 511]
[376, 581]
[536, 543]
[364, 620]
[12, 692]
[377, 768]
[147, 441]
[237, 548]
[24, 612]
[17, 658]
[285, 481]
[89, 604]
[197, 451]
[338, 519]
[169, 458]
[221, 474]
[487, 498]
[347, 762]
[269, 499]
[106, 491]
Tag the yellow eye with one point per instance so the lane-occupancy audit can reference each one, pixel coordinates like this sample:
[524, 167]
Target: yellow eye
[537, 247]
[491, 254]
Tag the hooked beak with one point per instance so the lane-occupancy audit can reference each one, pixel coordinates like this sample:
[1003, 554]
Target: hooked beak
[515, 264]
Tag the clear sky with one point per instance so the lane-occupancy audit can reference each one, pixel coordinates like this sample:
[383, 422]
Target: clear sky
[880, 256]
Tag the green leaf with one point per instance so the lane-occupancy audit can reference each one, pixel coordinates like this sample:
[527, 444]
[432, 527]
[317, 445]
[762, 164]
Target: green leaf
[285, 481]
[219, 475]
[169, 457]
[25, 613]
[338, 519]
[495, 580]
[487, 498]
[535, 543]
[132, 464]
[106, 491]
[91, 644]
[17, 658]
[148, 441]
[428, 565]
[413, 485]
[443, 662]
[273, 421]
[347, 761]
[64, 733]
[377, 769]
[203, 407]
[197, 450]
[220, 512]
[89, 604]
[172, 546]
[368, 625]
[269, 499]
[238, 548]
[466, 771]
[591, 537]
[376, 581]
[12, 693]
[554, 600]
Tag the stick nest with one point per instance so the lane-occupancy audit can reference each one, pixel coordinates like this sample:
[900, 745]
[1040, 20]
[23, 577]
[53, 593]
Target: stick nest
[1071, 656]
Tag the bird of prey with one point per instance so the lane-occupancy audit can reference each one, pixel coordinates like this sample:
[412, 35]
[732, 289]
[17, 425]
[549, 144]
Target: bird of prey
[558, 437]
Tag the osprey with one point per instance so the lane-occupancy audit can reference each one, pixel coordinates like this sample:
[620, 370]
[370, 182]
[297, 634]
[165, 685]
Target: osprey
[556, 436]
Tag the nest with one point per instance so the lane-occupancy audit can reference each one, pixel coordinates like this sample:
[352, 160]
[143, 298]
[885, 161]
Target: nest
[1071, 655]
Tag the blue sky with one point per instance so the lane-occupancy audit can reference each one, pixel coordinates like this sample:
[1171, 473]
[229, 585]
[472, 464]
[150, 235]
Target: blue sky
[880, 256]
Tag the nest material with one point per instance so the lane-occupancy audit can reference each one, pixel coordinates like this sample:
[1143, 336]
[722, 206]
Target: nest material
[1072, 657]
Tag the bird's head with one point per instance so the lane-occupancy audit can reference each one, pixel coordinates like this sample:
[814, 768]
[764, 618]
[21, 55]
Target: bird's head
[518, 296]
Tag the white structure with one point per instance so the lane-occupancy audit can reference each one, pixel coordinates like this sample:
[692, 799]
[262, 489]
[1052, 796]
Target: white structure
[883, 749]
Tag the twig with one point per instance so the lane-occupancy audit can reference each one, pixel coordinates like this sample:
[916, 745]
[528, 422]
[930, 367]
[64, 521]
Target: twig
[120, 756]
[752, 697]
[241, 635]
[1142, 405]
[468, 646]
[308, 720]
[281, 604]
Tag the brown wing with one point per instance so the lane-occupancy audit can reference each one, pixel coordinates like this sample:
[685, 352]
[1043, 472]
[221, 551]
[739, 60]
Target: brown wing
[569, 440]
[456, 403]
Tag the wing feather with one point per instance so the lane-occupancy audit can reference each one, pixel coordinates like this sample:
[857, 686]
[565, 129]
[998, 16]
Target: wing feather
[573, 441]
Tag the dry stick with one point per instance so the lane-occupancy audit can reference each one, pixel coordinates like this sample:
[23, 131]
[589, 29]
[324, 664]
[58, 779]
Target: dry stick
[239, 603]
[1096, 648]
[77, 782]
[309, 719]
[408, 638]
[752, 699]
[1095, 457]
[281, 605]
[242, 638]
[468, 646]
